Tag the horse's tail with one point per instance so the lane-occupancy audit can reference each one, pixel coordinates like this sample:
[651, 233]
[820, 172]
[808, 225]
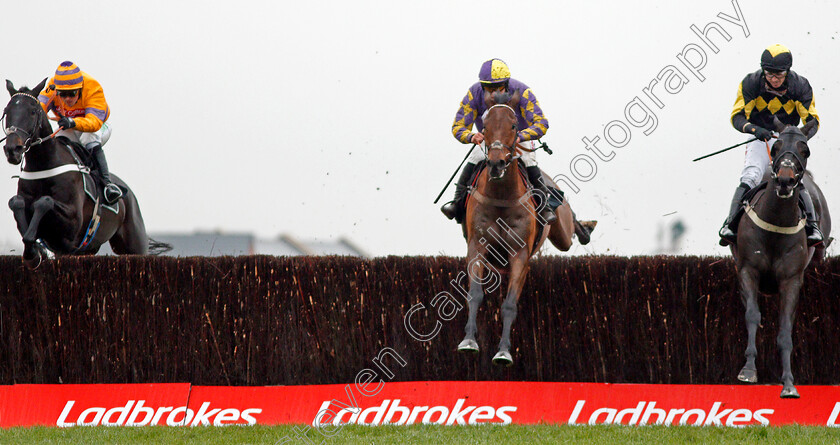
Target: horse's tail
[157, 247]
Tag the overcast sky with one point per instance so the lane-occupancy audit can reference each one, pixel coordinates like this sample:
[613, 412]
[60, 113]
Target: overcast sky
[329, 119]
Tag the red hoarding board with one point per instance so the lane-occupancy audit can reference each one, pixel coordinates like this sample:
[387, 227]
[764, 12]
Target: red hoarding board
[101, 404]
[450, 403]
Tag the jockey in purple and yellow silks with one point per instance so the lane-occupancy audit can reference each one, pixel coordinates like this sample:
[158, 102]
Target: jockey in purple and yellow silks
[493, 76]
[78, 99]
[774, 91]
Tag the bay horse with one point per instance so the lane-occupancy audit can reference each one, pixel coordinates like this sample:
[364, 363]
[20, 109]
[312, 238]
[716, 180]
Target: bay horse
[51, 207]
[771, 252]
[501, 225]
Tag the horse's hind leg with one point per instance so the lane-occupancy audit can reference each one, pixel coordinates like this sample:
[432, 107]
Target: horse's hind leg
[561, 230]
[131, 237]
[789, 291]
[748, 278]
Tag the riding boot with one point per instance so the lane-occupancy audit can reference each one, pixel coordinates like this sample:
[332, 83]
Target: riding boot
[727, 232]
[454, 209]
[112, 192]
[812, 222]
[535, 176]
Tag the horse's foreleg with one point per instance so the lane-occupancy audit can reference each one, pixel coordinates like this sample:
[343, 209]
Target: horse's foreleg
[40, 208]
[748, 281]
[476, 297]
[518, 272]
[18, 206]
[789, 291]
[32, 254]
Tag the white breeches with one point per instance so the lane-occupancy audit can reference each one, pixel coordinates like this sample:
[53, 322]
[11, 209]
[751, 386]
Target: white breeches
[756, 162]
[84, 138]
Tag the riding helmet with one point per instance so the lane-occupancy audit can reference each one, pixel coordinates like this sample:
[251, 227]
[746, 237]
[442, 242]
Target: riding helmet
[68, 76]
[494, 71]
[777, 58]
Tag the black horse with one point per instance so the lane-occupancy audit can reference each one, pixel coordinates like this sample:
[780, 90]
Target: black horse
[771, 253]
[52, 208]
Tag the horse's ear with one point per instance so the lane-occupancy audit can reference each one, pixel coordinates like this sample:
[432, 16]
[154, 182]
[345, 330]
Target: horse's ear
[10, 87]
[514, 99]
[778, 124]
[810, 128]
[804, 151]
[489, 100]
[37, 90]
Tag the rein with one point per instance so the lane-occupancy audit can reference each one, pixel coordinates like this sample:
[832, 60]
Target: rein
[518, 146]
[781, 161]
[23, 134]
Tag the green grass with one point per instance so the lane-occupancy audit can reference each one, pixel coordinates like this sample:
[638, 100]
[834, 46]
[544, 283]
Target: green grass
[428, 434]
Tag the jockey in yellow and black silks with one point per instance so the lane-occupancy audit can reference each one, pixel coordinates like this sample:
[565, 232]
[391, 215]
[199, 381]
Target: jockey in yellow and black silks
[78, 99]
[494, 76]
[772, 91]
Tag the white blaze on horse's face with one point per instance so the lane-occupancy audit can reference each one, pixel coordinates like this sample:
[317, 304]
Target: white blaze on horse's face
[498, 167]
[497, 127]
[787, 179]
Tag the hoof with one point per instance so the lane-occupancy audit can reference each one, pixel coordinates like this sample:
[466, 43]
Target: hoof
[789, 393]
[32, 263]
[748, 376]
[503, 358]
[32, 256]
[468, 345]
[583, 230]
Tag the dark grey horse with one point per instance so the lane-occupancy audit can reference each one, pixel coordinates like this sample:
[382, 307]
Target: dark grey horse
[771, 253]
[51, 205]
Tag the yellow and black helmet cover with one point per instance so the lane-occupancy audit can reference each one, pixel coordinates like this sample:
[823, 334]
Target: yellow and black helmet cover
[776, 58]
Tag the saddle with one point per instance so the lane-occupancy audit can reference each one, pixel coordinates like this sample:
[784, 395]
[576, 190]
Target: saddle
[93, 183]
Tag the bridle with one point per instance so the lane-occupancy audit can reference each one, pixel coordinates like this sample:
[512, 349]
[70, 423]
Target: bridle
[792, 160]
[512, 153]
[28, 137]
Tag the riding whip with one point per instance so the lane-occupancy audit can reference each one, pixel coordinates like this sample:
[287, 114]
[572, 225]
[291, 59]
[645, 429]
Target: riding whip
[725, 149]
[454, 173]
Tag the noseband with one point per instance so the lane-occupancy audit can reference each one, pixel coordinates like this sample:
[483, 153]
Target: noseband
[791, 160]
[28, 137]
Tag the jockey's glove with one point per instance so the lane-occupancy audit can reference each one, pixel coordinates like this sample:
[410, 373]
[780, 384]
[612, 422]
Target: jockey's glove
[760, 133]
[66, 122]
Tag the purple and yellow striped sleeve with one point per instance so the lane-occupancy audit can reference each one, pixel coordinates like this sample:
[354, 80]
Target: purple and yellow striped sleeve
[464, 119]
[533, 115]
